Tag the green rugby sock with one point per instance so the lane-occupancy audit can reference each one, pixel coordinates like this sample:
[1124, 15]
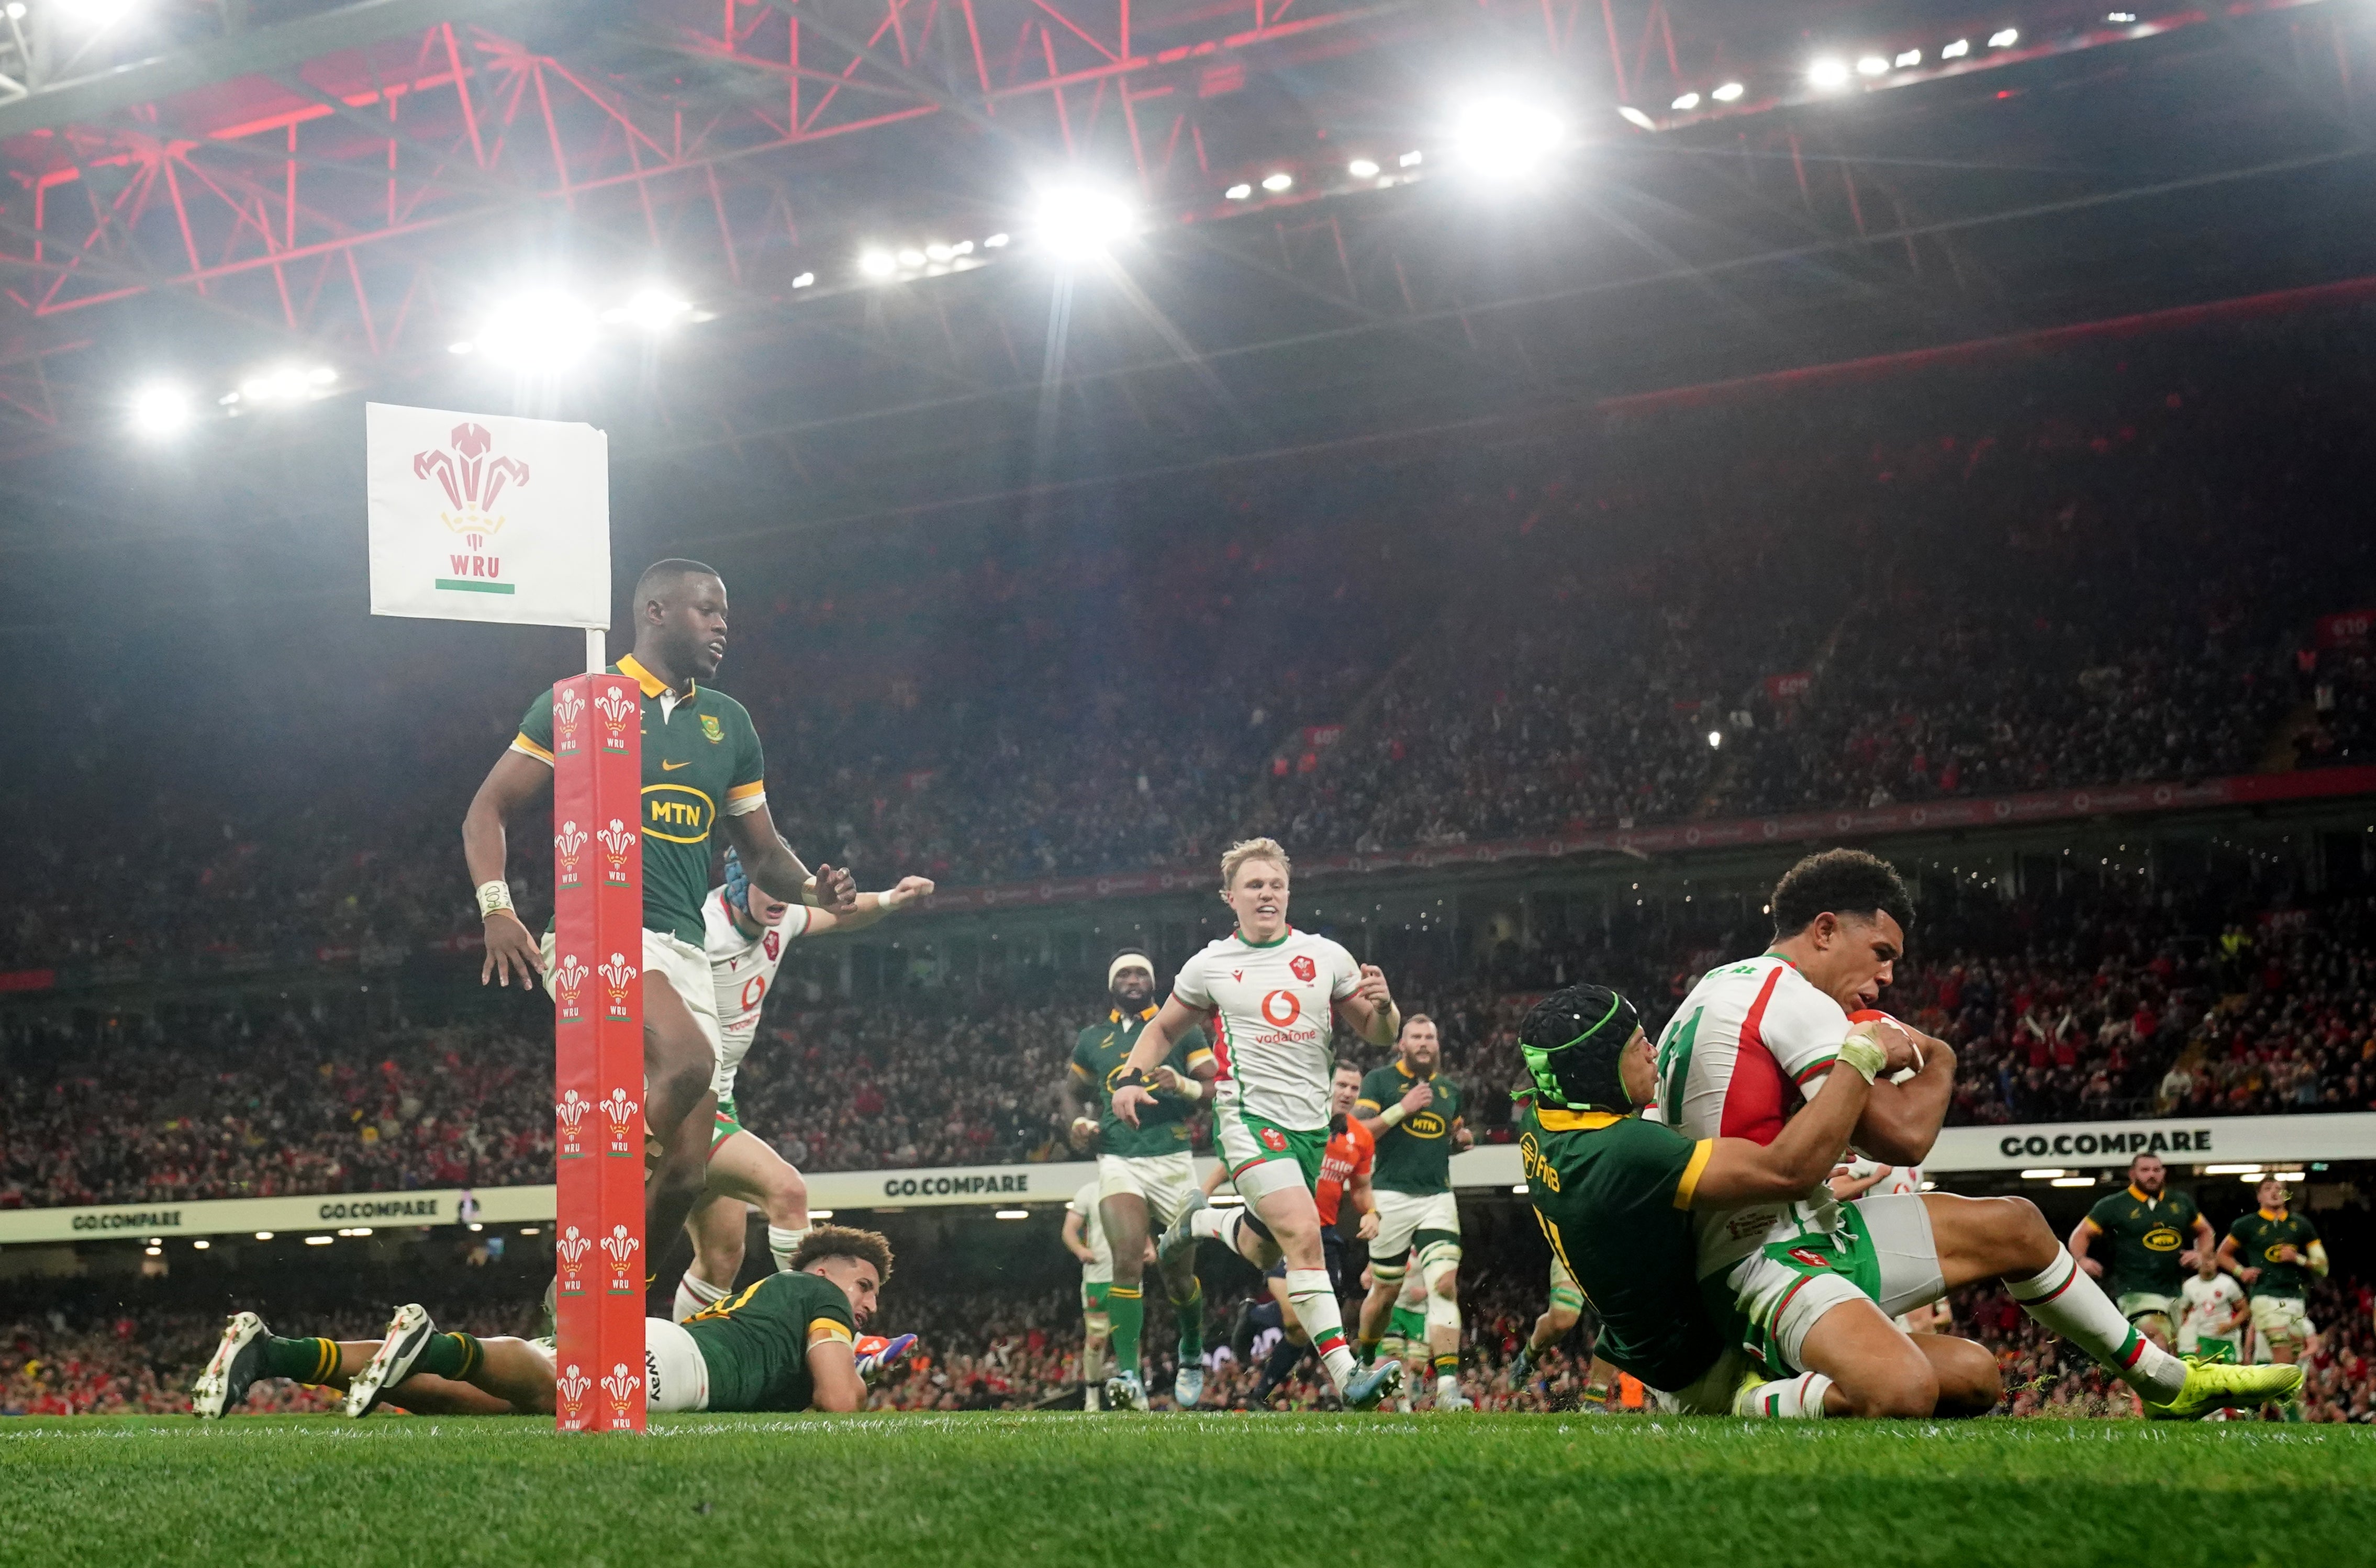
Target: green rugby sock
[306, 1361]
[1127, 1308]
[1191, 1314]
[450, 1355]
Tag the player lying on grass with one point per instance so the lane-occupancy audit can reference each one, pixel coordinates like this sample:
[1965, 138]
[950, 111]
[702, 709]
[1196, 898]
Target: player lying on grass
[788, 1343]
[1614, 1195]
[748, 931]
[1274, 994]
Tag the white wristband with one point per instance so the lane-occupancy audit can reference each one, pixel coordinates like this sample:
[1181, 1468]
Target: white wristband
[1190, 1088]
[493, 896]
[1392, 1115]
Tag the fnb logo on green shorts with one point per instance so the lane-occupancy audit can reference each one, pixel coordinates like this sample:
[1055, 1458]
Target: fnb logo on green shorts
[678, 813]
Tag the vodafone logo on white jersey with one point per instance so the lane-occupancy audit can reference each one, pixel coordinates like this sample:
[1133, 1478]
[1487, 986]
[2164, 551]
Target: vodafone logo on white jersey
[1281, 1008]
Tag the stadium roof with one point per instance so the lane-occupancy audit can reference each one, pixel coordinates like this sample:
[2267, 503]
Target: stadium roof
[277, 210]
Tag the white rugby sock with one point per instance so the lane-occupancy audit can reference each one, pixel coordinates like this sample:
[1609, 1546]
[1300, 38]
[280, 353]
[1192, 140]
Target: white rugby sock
[693, 1292]
[1314, 1301]
[1796, 1398]
[2066, 1301]
[1207, 1223]
[782, 1242]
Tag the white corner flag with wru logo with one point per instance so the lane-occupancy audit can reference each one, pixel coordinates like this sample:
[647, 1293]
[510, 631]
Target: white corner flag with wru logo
[487, 518]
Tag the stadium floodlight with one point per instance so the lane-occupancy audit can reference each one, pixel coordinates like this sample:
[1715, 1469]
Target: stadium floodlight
[1410, 161]
[16, 10]
[1279, 183]
[963, 247]
[652, 308]
[1362, 169]
[2072, 1182]
[463, 347]
[1518, 1187]
[1507, 138]
[1828, 72]
[1872, 65]
[820, 1214]
[161, 410]
[1239, 192]
[264, 1235]
[994, 243]
[2232, 1170]
[201, 1244]
[2119, 15]
[805, 280]
[1715, 739]
[878, 264]
[2004, 38]
[154, 1252]
[1012, 1214]
[543, 331]
[1730, 92]
[912, 257]
[1687, 103]
[1635, 118]
[319, 1241]
[1080, 222]
[1908, 57]
[1956, 50]
[2048, 1174]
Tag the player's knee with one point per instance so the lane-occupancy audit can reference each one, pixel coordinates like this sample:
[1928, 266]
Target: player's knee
[1440, 1266]
[2030, 1241]
[1385, 1279]
[787, 1196]
[1903, 1388]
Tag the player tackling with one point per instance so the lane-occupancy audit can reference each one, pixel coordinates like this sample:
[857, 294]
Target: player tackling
[1273, 995]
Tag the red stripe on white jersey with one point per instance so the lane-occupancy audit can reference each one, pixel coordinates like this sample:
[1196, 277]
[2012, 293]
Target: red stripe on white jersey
[1754, 1096]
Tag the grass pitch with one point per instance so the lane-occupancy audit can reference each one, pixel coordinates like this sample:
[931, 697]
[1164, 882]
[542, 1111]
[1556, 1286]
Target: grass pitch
[987, 1491]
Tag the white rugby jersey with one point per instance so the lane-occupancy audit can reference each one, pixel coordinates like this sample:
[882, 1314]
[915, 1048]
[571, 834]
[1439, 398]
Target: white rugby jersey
[1749, 1041]
[1274, 1021]
[2210, 1305]
[1093, 1234]
[743, 968]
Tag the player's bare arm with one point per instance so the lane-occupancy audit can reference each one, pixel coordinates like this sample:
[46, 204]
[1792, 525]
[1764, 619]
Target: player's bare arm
[2233, 1264]
[1901, 1121]
[1416, 1099]
[1358, 1192]
[2205, 1242]
[2081, 1235]
[867, 908]
[1370, 1012]
[515, 781]
[833, 1375]
[1076, 1098]
[772, 866]
[1072, 1240]
[1171, 1020]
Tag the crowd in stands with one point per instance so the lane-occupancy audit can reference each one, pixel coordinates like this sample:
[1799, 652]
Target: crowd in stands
[1982, 583]
[2114, 1002]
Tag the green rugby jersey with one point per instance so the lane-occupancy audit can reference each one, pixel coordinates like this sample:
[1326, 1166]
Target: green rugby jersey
[2258, 1235]
[1414, 1155]
[2146, 1235]
[1097, 1058]
[701, 757]
[756, 1344]
[1614, 1196]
